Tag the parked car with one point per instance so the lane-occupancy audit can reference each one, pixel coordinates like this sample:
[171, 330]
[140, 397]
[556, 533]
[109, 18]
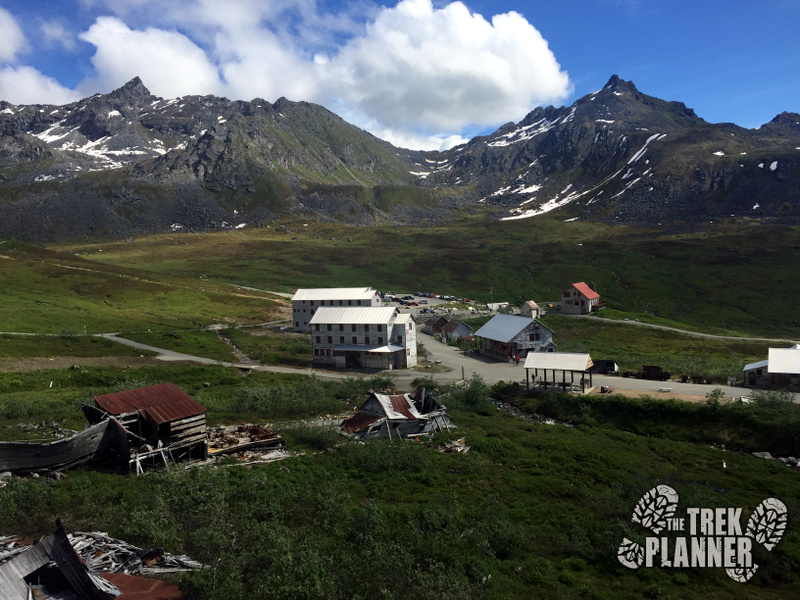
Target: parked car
[423, 301]
[407, 298]
[412, 303]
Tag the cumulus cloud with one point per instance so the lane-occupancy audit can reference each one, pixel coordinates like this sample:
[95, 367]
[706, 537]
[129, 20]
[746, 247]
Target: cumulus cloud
[12, 40]
[418, 67]
[26, 85]
[169, 63]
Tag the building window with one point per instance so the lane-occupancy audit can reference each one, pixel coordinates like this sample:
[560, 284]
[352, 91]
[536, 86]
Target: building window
[316, 351]
[399, 339]
[355, 339]
[359, 302]
[297, 323]
[341, 339]
[380, 327]
[349, 303]
[329, 326]
[366, 340]
[410, 326]
[316, 327]
[340, 303]
[534, 337]
[380, 339]
[341, 326]
[312, 303]
[353, 327]
[366, 327]
[319, 339]
[330, 340]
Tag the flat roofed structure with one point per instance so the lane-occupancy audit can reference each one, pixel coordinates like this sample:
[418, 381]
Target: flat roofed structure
[306, 301]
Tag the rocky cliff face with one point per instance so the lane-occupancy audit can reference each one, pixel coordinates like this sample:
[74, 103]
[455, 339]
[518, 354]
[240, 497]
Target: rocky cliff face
[128, 163]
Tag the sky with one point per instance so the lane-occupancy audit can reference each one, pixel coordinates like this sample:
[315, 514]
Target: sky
[421, 74]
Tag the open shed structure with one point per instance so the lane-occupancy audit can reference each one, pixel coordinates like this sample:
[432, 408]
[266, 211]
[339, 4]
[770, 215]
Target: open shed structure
[553, 363]
[171, 422]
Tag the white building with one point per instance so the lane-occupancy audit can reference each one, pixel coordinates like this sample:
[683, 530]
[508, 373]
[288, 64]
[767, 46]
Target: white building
[305, 302]
[369, 337]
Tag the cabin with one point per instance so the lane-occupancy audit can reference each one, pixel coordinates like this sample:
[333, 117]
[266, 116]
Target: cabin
[364, 338]
[455, 330]
[433, 326]
[508, 337]
[397, 416]
[170, 424]
[531, 310]
[580, 299]
[305, 302]
[780, 370]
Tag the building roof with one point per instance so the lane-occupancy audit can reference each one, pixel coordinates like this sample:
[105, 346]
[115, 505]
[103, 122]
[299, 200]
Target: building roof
[532, 304]
[358, 293]
[756, 365]
[503, 328]
[451, 326]
[405, 318]
[353, 315]
[156, 403]
[586, 290]
[784, 360]
[558, 361]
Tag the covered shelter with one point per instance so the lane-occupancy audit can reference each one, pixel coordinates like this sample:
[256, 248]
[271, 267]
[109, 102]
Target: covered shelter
[542, 363]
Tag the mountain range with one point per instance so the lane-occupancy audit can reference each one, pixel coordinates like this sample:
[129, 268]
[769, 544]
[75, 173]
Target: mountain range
[128, 163]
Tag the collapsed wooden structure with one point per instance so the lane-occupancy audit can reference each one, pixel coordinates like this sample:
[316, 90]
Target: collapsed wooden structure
[159, 424]
[172, 423]
[397, 416]
[54, 568]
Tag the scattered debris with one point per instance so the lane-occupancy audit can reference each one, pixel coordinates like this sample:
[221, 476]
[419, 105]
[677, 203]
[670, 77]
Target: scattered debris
[454, 446]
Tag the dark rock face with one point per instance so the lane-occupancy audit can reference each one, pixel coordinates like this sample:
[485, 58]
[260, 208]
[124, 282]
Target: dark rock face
[129, 162]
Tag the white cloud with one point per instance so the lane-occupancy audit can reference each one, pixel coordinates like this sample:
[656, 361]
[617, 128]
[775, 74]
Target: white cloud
[54, 32]
[169, 63]
[444, 69]
[12, 39]
[26, 85]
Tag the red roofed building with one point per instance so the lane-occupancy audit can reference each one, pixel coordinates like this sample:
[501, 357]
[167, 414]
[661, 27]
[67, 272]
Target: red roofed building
[164, 415]
[580, 299]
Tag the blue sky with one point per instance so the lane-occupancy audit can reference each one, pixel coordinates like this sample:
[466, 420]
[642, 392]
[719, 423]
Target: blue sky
[419, 73]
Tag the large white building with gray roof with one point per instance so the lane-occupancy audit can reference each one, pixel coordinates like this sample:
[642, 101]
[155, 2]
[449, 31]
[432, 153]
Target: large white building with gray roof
[369, 337]
[305, 302]
[507, 337]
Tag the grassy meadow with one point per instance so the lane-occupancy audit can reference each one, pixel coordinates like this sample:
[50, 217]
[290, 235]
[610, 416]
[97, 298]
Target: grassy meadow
[732, 280]
[531, 511]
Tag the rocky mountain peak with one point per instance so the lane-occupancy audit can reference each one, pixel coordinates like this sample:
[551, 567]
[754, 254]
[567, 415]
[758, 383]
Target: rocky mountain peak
[133, 92]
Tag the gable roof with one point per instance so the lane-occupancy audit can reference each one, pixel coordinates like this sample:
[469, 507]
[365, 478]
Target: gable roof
[558, 361]
[353, 315]
[359, 293]
[156, 403]
[503, 328]
[586, 290]
[452, 325]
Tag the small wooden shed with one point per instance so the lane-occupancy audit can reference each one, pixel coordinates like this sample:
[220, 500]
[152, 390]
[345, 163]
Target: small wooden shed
[164, 415]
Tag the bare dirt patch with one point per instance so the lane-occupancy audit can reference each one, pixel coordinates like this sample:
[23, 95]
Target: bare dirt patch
[651, 394]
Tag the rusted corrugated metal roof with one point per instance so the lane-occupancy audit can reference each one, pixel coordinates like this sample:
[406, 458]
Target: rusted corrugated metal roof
[140, 588]
[359, 422]
[402, 405]
[158, 404]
